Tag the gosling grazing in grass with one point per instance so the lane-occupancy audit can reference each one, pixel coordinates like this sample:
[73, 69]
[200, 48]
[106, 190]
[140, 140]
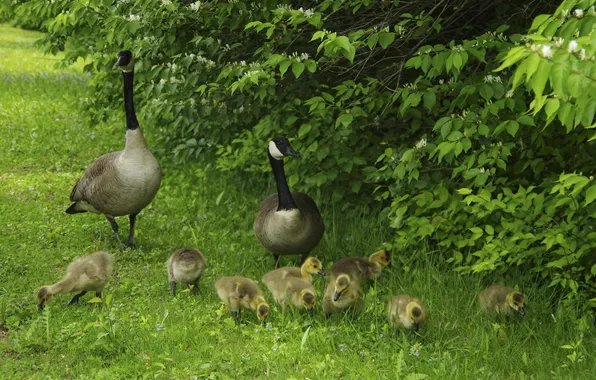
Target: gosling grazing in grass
[406, 311]
[124, 182]
[241, 293]
[502, 300]
[302, 293]
[287, 223]
[85, 274]
[186, 265]
[361, 268]
[342, 292]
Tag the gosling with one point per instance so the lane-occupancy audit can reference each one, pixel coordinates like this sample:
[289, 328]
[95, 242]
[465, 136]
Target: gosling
[405, 311]
[302, 293]
[342, 292]
[501, 299]
[86, 273]
[186, 265]
[240, 292]
[311, 266]
[363, 269]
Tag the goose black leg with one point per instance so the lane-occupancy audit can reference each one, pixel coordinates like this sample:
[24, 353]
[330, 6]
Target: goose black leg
[75, 299]
[131, 232]
[115, 229]
[276, 258]
[98, 294]
[195, 288]
[236, 315]
[173, 287]
[303, 258]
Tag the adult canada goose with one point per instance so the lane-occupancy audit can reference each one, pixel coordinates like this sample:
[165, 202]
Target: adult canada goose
[502, 300]
[186, 265]
[287, 223]
[85, 274]
[405, 311]
[242, 293]
[124, 182]
[362, 268]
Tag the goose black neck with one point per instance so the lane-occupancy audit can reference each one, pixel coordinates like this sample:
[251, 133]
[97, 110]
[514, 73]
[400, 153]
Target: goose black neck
[131, 118]
[284, 196]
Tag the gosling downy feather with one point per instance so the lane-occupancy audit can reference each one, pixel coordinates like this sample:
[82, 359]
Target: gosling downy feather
[406, 311]
[85, 274]
[312, 265]
[301, 293]
[287, 223]
[242, 293]
[124, 182]
[361, 268]
[502, 300]
[186, 265]
[342, 292]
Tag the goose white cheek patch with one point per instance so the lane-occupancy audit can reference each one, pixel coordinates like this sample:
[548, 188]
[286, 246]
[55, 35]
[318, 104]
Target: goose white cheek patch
[274, 151]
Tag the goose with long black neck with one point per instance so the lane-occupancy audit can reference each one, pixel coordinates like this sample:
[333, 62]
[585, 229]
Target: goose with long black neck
[287, 223]
[124, 182]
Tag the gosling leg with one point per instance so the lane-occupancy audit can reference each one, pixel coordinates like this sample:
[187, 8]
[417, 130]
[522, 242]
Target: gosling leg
[131, 232]
[115, 229]
[75, 299]
[173, 288]
[195, 288]
[236, 316]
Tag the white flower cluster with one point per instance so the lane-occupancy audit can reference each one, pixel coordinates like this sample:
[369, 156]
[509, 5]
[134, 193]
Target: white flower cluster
[251, 73]
[492, 79]
[207, 62]
[421, 144]
[308, 12]
[195, 6]
[132, 17]
[166, 2]
[301, 57]
[287, 7]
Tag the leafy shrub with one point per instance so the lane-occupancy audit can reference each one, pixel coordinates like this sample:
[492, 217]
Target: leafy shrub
[474, 135]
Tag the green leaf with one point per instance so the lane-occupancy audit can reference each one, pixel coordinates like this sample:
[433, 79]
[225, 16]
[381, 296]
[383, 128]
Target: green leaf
[344, 119]
[464, 191]
[539, 20]
[489, 229]
[526, 120]
[297, 69]
[311, 65]
[552, 105]
[372, 40]
[323, 152]
[540, 78]
[483, 130]
[386, 38]
[590, 195]
[283, 66]
[344, 43]
[304, 129]
[512, 127]
[429, 99]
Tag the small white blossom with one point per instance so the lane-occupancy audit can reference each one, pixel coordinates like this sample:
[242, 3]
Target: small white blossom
[242, 63]
[421, 144]
[558, 41]
[582, 54]
[579, 13]
[564, 12]
[166, 2]
[481, 170]
[308, 12]
[195, 6]
[488, 78]
[534, 48]
[509, 94]
[134, 18]
[162, 81]
[572, 46]
[304, 56]
[546, 52]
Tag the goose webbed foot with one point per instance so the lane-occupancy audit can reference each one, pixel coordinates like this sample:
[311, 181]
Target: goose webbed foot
[75, 300]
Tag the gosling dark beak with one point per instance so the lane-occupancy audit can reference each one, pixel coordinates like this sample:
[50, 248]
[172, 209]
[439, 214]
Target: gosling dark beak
[311, 312]
[120, 61]
[336, 296]
[291, 152]
[40, 307]
[522, 311]
[321, 272]
[390, 265]
[416, 327]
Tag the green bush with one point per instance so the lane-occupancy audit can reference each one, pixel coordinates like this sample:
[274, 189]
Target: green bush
[473, 134]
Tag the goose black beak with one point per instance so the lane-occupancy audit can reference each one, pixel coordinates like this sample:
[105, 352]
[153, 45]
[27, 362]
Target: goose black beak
[291, 152]
[522, 311]
[311, 312]
[120, 61]
[416, 327]
[321, 272]
[336, 296]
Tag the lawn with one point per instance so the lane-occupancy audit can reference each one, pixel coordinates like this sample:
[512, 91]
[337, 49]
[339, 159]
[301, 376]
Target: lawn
[140, 330]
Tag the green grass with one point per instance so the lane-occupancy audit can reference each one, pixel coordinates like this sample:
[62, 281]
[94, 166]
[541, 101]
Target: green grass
[142, 331]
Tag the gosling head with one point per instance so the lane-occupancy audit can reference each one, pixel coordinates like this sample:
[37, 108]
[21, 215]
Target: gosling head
[125, 61]
[515, 300]
[309, 299]
[280, 147]
[44, 295]
[382, 257]
[341, 284]
[415, 314]
[313, 265]
[262, 310]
